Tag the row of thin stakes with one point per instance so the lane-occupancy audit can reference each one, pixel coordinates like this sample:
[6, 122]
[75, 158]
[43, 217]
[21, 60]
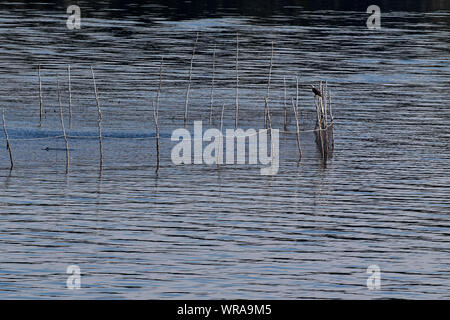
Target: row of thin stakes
[8, 145]
[99, 118]
[322, 98]
[322, 102]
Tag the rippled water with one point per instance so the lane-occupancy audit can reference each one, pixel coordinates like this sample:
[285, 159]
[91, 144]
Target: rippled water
[193, 231]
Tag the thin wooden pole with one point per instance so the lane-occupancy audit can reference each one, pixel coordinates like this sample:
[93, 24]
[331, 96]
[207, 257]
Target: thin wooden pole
[332, 120]
[155, 116]
[41, 107]
[8, 146]
[266, 119]
[298, 129]
[325, 95]
[269, 120]
[237, 81]
[322, 107]
[99, 120]
[212, 86]
[160, 84]
[331, 110]
[285, 104]
[319, 125]
[270, 71]
[323, 91]
[190, 80]
[296, 99]
[221, 140]
[70, 99]
[62, 125]
[268, 89]
[221, 118]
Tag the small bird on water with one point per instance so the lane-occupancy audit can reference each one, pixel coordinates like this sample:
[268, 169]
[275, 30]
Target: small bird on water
[316, 92]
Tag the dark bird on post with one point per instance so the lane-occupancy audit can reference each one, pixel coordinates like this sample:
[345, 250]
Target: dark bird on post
[316, 92]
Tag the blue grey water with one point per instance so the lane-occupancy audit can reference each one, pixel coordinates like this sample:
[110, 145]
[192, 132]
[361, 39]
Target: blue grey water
[196, 232]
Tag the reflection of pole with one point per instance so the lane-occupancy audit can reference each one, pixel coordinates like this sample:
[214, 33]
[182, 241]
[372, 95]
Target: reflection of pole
[62, 125]
[8, 146]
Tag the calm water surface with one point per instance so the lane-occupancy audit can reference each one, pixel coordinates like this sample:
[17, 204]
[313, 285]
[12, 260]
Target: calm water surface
[191, 231]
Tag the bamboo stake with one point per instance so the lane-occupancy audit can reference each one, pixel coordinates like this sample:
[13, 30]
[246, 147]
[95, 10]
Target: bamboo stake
[269, 120]
[270, 71]
[40, 95]
[324, 116]
[285, 105]
[190, 80]
[322, 109]
[331, 110]
[325, 95]
[237, 81]
[62, 125]
[221, 140]
[332, 121]
[160, 84]
[155, 116]
[212, 85]
[221, 117]
[319, 124]
[268, 88]
[266, 120]
[316, 103]
[331, 117]
[70, 99]
[8, 146]
[270, 128]
[298, 129]
[99, 120]
[296, 99]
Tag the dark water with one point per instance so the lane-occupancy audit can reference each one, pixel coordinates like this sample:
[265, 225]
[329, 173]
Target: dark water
[191, 231]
